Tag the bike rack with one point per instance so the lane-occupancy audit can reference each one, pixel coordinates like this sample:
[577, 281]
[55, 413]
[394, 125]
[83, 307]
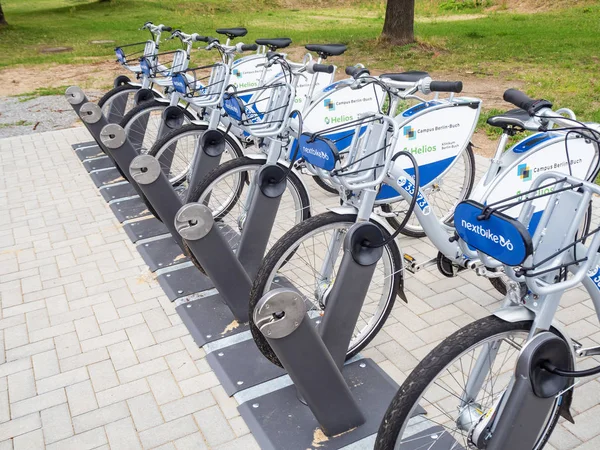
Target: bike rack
[329, 415]
[533, 394]
[226, 313]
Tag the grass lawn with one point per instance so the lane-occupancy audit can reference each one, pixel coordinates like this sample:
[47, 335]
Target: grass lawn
[554, 53]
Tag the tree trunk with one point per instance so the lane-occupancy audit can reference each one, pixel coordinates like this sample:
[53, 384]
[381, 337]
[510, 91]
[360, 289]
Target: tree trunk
[398, 27]
[2, 19]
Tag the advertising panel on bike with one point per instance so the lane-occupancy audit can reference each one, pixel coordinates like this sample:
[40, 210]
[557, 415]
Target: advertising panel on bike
[246, 73]
[523, 167]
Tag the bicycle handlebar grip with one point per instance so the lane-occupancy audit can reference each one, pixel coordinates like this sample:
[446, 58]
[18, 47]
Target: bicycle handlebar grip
[519, 99]
[165, 28]
[351, 70]
[446, 86]
[248, 47]
[323, 68]
[203, 39]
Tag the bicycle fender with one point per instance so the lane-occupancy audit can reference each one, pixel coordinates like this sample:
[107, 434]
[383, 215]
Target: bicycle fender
[121, 80]
[518, 314]
[341, 210]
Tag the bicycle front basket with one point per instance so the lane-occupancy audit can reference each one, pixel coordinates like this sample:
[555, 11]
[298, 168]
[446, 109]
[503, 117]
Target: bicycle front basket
[318, 151]
[495, 234]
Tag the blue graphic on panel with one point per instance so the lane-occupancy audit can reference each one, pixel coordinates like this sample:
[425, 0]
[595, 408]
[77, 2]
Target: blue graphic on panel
[499, 236]
[179, 83]
[527, 144]
[418, 108]
[120, 55]
[145, 67]
[318, 151]
[233, 106]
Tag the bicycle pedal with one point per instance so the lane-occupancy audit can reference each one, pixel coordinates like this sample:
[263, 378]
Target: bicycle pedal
[589, 351]
[410, 263]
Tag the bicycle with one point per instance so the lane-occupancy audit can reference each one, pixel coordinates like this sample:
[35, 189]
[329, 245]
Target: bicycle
[116, 102]
[504, 380]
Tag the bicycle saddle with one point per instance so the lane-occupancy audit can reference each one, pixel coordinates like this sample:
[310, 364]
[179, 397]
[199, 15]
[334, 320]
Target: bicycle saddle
[274, 44]
[232, 32]
[514, 119]
[326, 50]
[410, 76]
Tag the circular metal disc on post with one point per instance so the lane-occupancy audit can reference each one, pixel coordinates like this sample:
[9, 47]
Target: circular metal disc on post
[74, 95]
[90, 113]
[279, 312]
[113, 136]
[144, 169]
[194, 221]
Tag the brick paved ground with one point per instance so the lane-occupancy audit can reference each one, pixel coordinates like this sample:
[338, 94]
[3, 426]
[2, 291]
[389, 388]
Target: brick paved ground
[93, 355]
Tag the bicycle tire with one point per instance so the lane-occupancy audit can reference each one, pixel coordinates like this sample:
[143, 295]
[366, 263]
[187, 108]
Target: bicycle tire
[279, 250]
[234, 165]
[134, 113]
[106, 98]
[416, 231]
[166, 141]
[408, 395]
[323, 185]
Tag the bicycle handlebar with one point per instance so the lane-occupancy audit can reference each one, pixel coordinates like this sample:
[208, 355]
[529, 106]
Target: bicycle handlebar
[246, 47]
[524, 102]
[321, 68]
[446, 86]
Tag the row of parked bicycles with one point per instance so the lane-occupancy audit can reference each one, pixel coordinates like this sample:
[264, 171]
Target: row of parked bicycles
[239, 140]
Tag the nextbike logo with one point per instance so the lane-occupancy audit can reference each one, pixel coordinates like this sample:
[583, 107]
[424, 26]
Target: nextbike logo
[524, 172]
[313, 151]
[337, 119]
[486, 233]
[409, 132]
[237, 73]
[329, 104]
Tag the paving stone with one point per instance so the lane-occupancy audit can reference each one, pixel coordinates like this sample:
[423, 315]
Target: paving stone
[21, 385]
[187, 405]
[145, 412]
[84, 441]
[29, 441]
[45, 364]
[122, 435]
[87, 328]
[4, 407]
[81, 398]
[20, 426]
[191, 442]
[167, 432]
[181, 365]
[164, 387]
[214, 426]
[122, 392]
[56, 422]
[122, 355]
[29, 350]
[140, 336]
[84, 359]
[61, 380]
[99, 417]
[142, 370]
[38, 403]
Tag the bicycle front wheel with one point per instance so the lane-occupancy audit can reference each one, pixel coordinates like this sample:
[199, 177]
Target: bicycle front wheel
[443, 195]
[307, 259]
[439, 386]
[124, 93]
[143, 123]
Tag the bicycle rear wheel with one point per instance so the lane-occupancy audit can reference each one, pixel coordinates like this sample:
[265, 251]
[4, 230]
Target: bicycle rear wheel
[438, 384]
[443, 195]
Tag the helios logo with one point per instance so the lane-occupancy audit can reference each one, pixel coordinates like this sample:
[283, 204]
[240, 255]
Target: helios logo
[486, 233]
[337, 119]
